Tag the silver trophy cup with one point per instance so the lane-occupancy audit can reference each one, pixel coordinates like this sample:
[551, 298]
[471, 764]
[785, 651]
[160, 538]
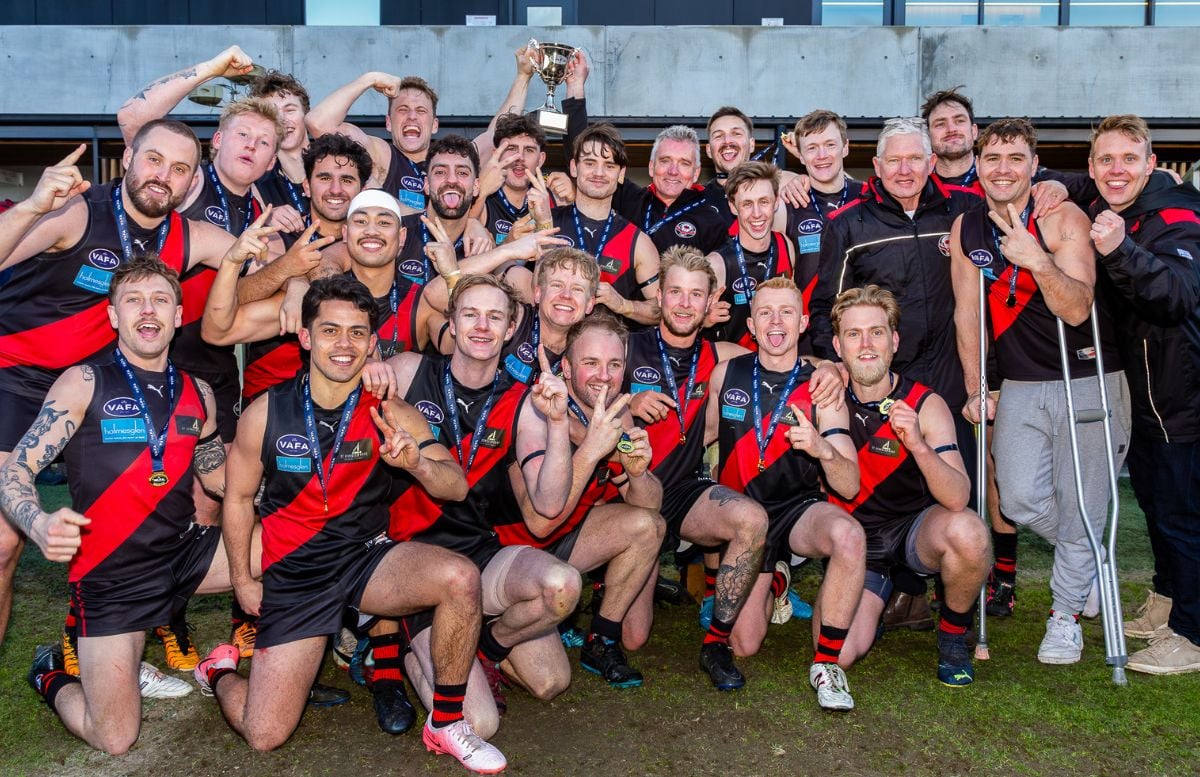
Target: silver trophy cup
[550, 62]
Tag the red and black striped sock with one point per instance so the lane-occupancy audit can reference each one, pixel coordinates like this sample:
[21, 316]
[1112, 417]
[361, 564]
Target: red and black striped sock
[51, 683]
[710, 582]
[829, 644]
[718, 631]
[1005, 548]
[388, 651]
[953, 622]
[447, 704]
[778, 584]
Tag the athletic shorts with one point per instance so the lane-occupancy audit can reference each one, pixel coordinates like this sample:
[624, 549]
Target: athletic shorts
[779, 526]
[146, 600]
[890, 546]
[17, 413]
[298, 604]
[227, 394]
[677, 501]
[564, 546]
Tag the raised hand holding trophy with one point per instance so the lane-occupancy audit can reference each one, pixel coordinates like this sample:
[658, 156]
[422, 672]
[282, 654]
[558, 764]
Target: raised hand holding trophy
[550, 62]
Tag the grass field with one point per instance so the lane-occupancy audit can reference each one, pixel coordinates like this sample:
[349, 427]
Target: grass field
[1019, 718]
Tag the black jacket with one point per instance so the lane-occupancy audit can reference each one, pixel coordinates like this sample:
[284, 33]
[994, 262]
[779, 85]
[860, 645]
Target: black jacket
[1154, 283]
[872, 240]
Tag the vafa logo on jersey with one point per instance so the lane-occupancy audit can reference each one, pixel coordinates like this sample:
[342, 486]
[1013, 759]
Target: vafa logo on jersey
[104, 259]
[122, 407]
[736, 397]
[412, 183]
[216, 215]
[433, 414]
[809, 227]
[413, 268]
[292, 445]
[647, 375]
[980, 258]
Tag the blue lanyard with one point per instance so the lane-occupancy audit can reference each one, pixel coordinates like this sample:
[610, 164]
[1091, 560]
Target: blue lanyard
[970, 176]
[414, 168]
[667, 218]
[513, 213]
[458, 247]
[456, 426]
[1012, 281]
[314, 445]
[764, 438]
[394, 304]
[220, 190]
[603, 235]
[293, 192]
[156, 437]
[741, 260]
[669, 377]
[536, 337]
[123, 225]
[577, 411]
[817, 205]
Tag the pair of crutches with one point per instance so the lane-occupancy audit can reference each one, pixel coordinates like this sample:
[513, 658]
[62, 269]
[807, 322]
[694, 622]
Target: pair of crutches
[1106, 566]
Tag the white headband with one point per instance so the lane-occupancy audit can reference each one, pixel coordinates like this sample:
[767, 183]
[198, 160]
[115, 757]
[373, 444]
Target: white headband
[374, 198]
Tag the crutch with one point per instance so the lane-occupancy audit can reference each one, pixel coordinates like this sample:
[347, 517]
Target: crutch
[981, 457]
[1106, 568]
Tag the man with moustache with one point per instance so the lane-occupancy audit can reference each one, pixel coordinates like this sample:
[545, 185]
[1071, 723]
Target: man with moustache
[1147, 233]
[506, 178]
[63, 243]
[1037, 270]
[128, 536]
[782, 464]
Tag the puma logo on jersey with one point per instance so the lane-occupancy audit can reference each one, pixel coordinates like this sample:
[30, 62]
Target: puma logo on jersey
[770, 387]
[862, 418]
[466, 406]
[156, 389]
[330, 425]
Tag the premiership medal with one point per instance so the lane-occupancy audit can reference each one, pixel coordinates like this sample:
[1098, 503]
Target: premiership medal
[885, 406]
[159, 479]
[625, 445]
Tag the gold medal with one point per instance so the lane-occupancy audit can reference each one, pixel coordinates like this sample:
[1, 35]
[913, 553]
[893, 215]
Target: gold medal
[682, 438]
[625, 445]
[159, 479]
[886, 405]
[762, 466]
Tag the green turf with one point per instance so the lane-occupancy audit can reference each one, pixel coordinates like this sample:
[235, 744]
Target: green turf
[1019, 718]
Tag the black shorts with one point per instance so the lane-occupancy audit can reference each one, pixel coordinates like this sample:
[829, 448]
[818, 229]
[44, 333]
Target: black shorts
[894, 544]
[298, 604]
[227, 393]
[677, 501]
[17, 413]
[136, 603]
[564, 546]
[779, 526]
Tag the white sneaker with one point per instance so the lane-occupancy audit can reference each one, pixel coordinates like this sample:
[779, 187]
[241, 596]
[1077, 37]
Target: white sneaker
[460, 740]
[155, 685]
[1063, 643]
[833, 691]
[1091, 608]
[782, 611]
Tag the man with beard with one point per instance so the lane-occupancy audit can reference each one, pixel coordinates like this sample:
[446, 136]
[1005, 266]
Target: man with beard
[506, 178]
[1037, 270]
[63, 243]
[778, 447]
[753, 253]
[128, 536]
[1147, 233]
[282, 185]
[912, 502]
[400, 165]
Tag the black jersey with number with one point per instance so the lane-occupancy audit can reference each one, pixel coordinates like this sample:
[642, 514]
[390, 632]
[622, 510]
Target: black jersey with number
[1023, 327]
[54, 307]
[616, 255]
[789, 477]
[760, 266]
[466, 526]
[299, 533]
[672, 460]
[135, 525]
[405, 179]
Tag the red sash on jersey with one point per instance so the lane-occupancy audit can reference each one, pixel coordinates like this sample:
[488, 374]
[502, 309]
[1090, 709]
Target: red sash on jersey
[87, 332]
[742, 465]
[1002, 315]
[600, 490]
[281, 363]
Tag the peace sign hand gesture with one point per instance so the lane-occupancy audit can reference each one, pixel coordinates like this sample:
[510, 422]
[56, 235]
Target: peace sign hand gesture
[1018, 245]
[252, 244]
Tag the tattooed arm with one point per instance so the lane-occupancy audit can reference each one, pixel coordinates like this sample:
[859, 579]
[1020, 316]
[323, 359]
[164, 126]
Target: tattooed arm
[157, 98]
[57, 533]
[208, 460]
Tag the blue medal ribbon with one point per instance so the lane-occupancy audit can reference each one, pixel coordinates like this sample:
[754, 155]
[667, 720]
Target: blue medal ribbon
[157, 437]
[741, 260]
[293, 192]
[1012, 281]
[314, 444]
[816, 205]
[215, 180]
[669, 378]
[667, 218]
[763, 438]
[603, 235]
[123, 225]
[513, 213]
[455, 424]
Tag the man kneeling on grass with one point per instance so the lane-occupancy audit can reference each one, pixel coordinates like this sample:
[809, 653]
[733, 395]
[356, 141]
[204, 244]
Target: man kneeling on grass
[912, 502]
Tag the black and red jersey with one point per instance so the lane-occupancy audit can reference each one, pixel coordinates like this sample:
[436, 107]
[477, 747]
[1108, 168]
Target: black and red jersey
[760, 266]
[671, 459]
[275, 188]
[405, 180]
[269, 363]
[804, 228]
[520, 355]
[1023, 327]
[500, 214]
[511, 529]
[412, 262]
[54, 308]
[135, 525]
[397, 329]
[298, 533]
[892, 486]
[788, 477]
[616, 248]
[466, 526]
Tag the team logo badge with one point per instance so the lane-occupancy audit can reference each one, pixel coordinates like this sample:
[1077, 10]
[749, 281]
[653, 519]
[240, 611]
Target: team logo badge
[609, 265]
[809, 227]
[525, 353]
[292, 445]
[492, 438]
[433, 414]
[122, 407]
[736, 397]
[187, 424]
[413, 268]
[104, 259]
[744, 285]
[685, 230]
[647, 375]
[356, 450]
[980, 257]
[944, 245]
[216, 215]
[412, 184]
[503, 227]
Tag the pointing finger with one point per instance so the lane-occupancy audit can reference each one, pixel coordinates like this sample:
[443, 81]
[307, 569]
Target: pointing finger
[74, 156]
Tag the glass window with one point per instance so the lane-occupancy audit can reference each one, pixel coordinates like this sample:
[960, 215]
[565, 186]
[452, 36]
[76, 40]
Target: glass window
[1108, 13]
[851, 13]
[1019, 12]
[1176, 13]
[363, 13]
[940, 13]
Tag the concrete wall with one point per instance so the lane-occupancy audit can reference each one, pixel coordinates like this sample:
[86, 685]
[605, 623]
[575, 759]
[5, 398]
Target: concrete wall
[651, 72]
